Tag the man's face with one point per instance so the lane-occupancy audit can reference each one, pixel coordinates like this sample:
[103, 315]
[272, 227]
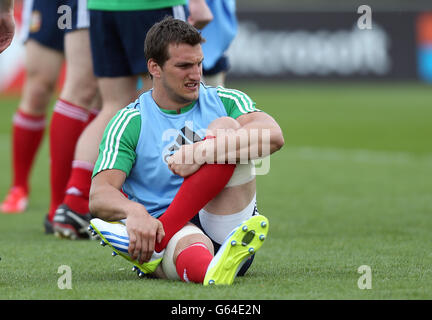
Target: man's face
[181, 74]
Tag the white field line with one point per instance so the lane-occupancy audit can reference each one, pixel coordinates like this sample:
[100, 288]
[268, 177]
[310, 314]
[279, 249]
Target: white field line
[359, 155]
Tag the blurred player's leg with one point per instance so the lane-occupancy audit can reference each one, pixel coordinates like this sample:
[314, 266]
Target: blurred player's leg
[117, 92]
[71, 112]
[42, 66]
[216, 75]
[215, 80]
[118, 59]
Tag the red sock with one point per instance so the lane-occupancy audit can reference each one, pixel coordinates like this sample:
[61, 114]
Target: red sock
[192, 262]
[78, 188]
[68, 121]
[27, 135]
[194, 193]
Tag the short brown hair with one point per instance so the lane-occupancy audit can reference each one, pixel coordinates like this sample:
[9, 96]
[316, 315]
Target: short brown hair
[165, 32]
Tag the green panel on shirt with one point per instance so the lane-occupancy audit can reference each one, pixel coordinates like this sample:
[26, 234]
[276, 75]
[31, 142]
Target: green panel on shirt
[236, 102]
[117, 148]
[132, 5]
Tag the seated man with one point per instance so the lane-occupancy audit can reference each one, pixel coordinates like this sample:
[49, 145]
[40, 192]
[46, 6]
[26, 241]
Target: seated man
[180, 149]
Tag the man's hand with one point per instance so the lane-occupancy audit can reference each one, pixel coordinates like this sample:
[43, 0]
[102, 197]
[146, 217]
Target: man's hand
[143, 231]
[183, 162]
[199, 14]
[7, 29]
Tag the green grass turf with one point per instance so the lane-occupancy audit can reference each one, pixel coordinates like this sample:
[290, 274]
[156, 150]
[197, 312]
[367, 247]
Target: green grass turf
[352, 186]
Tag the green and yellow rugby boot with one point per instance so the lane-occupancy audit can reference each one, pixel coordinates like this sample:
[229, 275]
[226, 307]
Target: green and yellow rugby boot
[238, 246]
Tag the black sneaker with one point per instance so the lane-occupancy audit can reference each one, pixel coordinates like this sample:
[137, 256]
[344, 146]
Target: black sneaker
[71, 225]
[48, 226]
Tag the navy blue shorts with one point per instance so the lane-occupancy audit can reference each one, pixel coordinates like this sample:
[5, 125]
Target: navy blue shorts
[41, 21]
[117, 39]
[222, 65]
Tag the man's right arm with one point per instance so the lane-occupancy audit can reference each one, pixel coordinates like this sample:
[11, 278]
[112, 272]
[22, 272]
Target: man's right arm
[108, 203]
[106, 200]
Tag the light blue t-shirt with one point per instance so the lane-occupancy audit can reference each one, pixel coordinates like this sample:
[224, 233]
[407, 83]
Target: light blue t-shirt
[140, 138]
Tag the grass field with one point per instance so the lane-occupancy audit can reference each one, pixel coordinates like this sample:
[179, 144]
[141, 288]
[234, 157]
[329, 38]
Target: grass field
[351, 187]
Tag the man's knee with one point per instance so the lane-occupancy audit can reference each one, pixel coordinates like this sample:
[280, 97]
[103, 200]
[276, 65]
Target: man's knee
[37, 93]
[80, 90]
[188, 235]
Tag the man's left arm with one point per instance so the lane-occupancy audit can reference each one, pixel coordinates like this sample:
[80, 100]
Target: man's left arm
[259, 136]
[264, 133]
